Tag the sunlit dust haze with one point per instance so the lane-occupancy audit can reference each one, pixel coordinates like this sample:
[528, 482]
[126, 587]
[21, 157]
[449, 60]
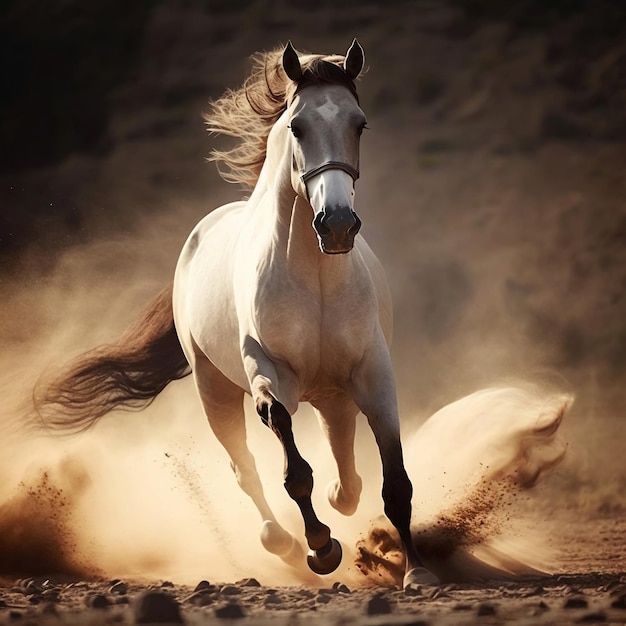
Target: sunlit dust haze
[151, 494]
[492, 190]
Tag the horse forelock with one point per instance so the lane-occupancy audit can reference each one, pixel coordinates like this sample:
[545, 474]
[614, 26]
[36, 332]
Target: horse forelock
[250, 112]
[326, 72]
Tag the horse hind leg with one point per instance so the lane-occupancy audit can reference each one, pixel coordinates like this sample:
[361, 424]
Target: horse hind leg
[374, 391]
[337, 417]
[223, 405]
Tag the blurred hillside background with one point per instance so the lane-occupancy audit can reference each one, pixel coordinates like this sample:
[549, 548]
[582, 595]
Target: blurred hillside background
[493, 181]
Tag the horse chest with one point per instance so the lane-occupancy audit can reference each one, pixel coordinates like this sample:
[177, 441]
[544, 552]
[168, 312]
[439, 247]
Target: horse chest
[321, 336]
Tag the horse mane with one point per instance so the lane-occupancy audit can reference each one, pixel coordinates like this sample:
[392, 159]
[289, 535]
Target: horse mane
[248, 113]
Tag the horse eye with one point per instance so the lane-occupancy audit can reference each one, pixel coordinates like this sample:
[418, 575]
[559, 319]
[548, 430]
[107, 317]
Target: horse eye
[296, 131]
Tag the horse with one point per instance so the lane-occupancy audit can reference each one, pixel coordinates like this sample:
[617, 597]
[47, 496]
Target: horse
[277, 296]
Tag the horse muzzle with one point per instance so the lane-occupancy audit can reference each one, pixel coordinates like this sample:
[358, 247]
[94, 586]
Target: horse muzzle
[336, 229]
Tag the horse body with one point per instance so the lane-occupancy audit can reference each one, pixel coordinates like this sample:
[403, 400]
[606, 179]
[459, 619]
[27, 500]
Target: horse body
[311, 313]
[279, 297]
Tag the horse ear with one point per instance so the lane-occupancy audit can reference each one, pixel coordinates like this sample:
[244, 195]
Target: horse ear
[355, 59]
[291, 63]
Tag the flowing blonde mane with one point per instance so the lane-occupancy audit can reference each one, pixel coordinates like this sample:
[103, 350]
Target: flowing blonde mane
[248, 113]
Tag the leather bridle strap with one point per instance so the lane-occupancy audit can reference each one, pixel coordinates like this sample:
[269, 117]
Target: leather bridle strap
[330, 165]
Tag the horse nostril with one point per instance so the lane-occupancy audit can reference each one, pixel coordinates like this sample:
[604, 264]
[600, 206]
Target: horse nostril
[357, 225]
[319, 223]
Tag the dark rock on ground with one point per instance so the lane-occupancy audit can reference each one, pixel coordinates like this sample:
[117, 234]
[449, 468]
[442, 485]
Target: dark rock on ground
[379, 605]
[156, 607]
[232, 610]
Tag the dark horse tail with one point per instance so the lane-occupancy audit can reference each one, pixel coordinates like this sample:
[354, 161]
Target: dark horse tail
[127, 374]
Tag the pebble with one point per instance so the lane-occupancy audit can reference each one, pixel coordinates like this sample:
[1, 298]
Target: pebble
[50, 595]
[119, 588]
[203, 584]
[200, 598]
[271, 600]
[620, 603]
[156, 607]
[232, 610]
[29, 587]
[323, 598]
[597, 616]
[48, 608]
[575, 603]
[341, 588]
[486, 609]
[533, 591]
[248, 582]
[15, 615]
[378, 605]
[230, 590]
[97, 601]
[326, 591]
[413, 589]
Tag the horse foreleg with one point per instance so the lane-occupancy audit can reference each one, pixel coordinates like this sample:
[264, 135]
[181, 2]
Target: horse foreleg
[325, 554]
[374, 393]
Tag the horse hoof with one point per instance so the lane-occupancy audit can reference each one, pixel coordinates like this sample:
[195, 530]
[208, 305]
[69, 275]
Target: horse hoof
[339, 501]
[326, 559]
[419, 576]
[276, 539]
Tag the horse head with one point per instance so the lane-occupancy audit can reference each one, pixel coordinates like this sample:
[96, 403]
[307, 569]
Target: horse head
[326, 123]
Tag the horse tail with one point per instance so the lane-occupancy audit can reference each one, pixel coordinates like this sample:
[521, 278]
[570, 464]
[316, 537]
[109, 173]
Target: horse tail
[127, 374]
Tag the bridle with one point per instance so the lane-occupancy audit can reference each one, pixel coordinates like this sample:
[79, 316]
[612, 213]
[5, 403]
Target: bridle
[352, 171]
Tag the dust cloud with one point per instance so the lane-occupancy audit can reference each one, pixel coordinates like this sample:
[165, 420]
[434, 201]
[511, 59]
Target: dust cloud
[151, 494]
[503, 239]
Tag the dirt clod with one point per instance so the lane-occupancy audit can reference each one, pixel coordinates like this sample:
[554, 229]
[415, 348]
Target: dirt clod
[119, 588]
[486, 609]
[620, 603]
[232, 610]
[576, 602]
[379, 605]
[156, 607]
[97, 601]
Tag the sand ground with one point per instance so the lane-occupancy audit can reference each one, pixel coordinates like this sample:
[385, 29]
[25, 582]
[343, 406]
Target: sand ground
[589, 588]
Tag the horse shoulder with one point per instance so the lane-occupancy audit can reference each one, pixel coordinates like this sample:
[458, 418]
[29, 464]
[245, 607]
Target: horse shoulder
[203, 286]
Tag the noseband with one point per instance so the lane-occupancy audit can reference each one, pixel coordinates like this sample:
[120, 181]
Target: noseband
[330, 165]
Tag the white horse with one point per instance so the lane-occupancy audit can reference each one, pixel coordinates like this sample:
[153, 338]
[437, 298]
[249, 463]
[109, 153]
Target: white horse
[276, 297]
